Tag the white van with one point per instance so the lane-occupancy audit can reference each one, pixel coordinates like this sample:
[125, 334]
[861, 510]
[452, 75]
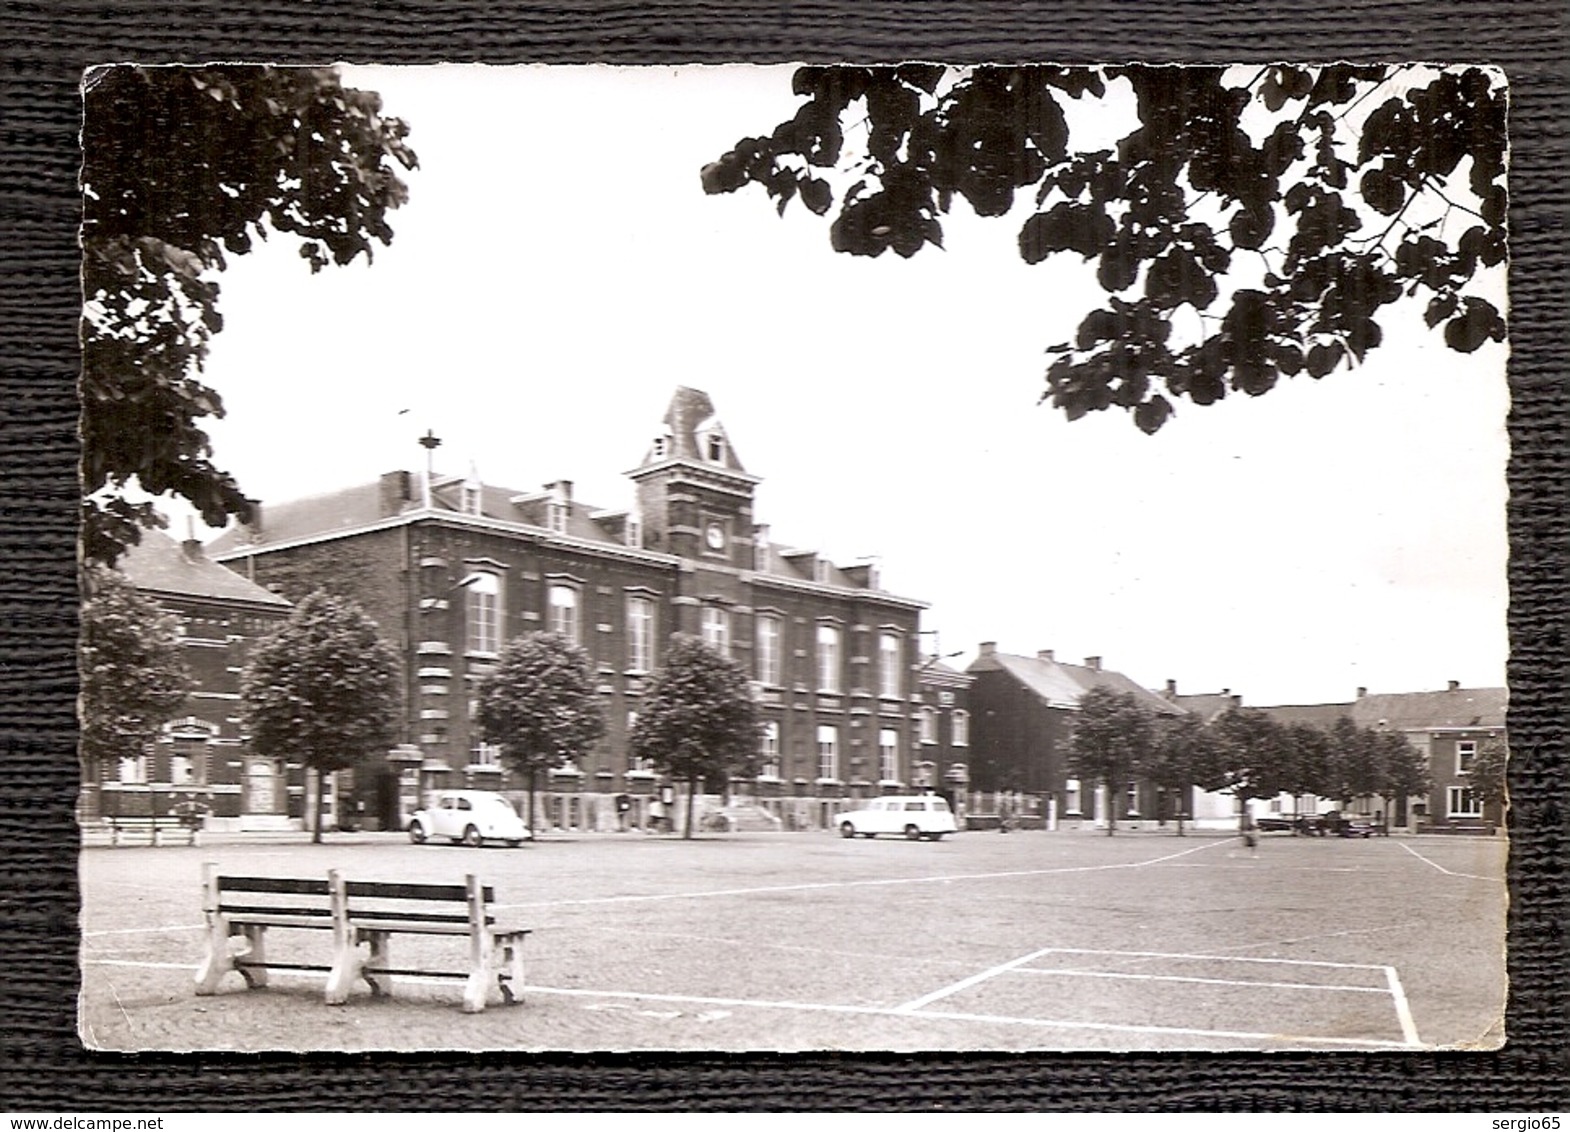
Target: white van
[914, 815]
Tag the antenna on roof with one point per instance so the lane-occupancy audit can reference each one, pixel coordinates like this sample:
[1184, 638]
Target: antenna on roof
[430, 442]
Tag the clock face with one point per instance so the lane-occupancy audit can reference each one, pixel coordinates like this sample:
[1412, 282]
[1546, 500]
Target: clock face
[715, 536]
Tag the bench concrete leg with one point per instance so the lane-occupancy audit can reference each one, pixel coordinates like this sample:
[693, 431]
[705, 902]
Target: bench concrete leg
[381, 957]
[510, 972]
[218, 962]
[256, 952]
[347, 968]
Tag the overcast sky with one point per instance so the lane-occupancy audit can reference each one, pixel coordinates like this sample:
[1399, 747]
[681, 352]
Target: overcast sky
[558, 271]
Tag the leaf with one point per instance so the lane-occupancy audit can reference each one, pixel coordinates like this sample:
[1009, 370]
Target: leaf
[1440, 307]
[1323, 358]
[1384, 193]
[1152, 414]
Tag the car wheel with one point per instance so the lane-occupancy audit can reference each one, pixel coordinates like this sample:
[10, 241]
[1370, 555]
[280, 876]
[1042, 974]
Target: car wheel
[472, 838]
[417, 833]
[935, 836]
[912, 833]
[847, 830]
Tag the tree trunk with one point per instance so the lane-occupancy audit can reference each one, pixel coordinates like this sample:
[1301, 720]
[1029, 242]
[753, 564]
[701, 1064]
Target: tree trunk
[316, 823]
[1112, 810]
[1182, 796]
[533, 822]
[692, 796]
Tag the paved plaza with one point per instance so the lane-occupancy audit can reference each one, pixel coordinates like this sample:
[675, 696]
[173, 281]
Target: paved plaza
[803, 941]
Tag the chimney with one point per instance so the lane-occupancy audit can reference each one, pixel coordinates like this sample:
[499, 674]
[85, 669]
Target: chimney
[1361, 692]
[1171, 687]
[191, 545]
[1044, 654]
[1455, 685]
[1237, 701]
[1226, 691]
[562, 489]
[989, 648]
[394, 492]
[1093, 663]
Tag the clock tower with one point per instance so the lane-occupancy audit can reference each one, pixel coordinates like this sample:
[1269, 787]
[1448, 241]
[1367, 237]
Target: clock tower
[694, 496]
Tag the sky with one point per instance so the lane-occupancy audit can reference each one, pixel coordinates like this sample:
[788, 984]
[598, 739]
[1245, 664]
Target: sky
[558, 272]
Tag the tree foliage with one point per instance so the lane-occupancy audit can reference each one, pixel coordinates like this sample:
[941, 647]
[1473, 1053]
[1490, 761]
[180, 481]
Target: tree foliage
[1112, 742]
[182, 168]
[133, 676]
[1252, 752]
[1248, 225]
[699, 720]
[1487, 774]
[323, 689]
[1182, 756]
[541, 706]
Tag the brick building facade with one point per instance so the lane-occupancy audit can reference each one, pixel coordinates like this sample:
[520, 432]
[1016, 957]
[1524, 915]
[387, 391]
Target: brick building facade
[451, 567]
[201, 758]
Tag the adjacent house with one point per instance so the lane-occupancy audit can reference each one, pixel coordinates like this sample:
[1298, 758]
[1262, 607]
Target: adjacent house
[1022, 713]
[201, 759]
[451, 567]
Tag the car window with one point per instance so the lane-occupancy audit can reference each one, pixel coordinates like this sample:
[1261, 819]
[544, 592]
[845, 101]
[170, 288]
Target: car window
[446, 803]
[465, 804]
[915, 805]
[941, 806]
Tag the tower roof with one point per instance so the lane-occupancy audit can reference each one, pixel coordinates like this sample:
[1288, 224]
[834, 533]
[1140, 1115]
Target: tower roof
[693, 433]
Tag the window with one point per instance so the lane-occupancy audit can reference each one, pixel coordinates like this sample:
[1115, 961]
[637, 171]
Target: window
[634, 763]
[1131, 800]
[471, 499]
[769, 749]
[482, 753]
[960, 723]
[662, 446]
[828, 658]
[133, 770]
[640, 634]
[828, 752]
[820, 570]
[929, 725]
[483, 606]
[716, 628]
[1071, 796]
[1463, 803]
[634, 532]
[888, 755]
[716, 448]
[770, 632]
[180, 771]
[564, 612]
[556, 516]
[888, 666]
[1466, 754]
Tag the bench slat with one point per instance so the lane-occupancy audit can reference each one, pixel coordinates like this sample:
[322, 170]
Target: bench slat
[271, 966]
[281, 919]
[383, 890]
[358, 914]
[295, 885]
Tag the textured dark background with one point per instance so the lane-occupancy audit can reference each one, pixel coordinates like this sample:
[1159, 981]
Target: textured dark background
[48, 42]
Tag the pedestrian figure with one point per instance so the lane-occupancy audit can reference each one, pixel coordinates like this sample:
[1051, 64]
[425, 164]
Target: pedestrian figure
[1251, 838]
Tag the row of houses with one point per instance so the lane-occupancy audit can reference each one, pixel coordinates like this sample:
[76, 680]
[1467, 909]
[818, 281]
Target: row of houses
[853, 701]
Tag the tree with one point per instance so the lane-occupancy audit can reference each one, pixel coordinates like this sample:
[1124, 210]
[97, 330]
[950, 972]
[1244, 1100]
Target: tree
[1356, 757]
[1112, 742]
[541, 706]
[1305, 769]
[133, 676]
[1487, 774]
[699, 720]
[1403, 771]
[1249, 225]
[323, 690]
[1252, 748]
[181, 168]
[1182, 756]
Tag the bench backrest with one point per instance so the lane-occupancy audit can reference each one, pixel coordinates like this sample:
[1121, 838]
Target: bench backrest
[393, 901]
[241, 895]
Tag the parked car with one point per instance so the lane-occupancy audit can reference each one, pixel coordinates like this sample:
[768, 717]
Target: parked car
[470, 816]
[916, 816]
[1350, 825]
[1306, 824]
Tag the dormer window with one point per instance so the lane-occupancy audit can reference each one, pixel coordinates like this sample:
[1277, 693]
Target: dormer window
[470, 503]
[662, 447]
[556, 516]
[714, 448]
[634, 532]
[820, 570]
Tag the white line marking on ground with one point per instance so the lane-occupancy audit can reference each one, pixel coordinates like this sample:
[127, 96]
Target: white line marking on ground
[144, 931]
[1195, 979]
[1403, 1011]
[917, 1003]
[877, 1011]
[1447, 872]
[1219, 958]
[821, 885]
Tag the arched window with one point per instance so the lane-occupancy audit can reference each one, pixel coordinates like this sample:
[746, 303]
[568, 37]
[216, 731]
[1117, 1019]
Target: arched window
[770, 634]
[960, 721]
[888, 666]
[483, 613]
[640, 633]
[564, 612]
[929, 725]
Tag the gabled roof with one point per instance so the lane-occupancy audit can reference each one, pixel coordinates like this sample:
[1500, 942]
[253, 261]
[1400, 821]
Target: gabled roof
[1323, 716]
[1205, 705]
[1433, 711]
[159, 565]
[689, 419]
[1062, 685]
[344, 509]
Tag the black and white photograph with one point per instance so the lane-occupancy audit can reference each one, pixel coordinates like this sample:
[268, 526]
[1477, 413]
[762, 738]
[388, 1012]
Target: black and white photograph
[752, 558]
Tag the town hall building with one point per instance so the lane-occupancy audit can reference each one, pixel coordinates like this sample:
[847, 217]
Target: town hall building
[451, 568]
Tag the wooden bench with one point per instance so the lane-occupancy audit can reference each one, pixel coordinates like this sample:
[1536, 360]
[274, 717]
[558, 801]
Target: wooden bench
[356, 913]
[150, 830]
[247, 907]
[375, 911]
